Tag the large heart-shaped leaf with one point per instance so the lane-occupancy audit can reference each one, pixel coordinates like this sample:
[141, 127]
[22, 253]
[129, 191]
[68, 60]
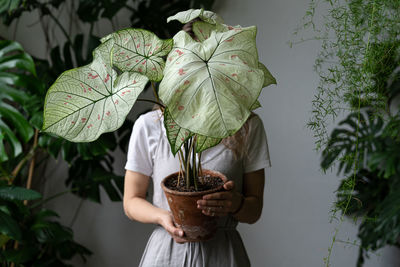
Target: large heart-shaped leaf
[140, 51]
[210, 86]
[202, 31]
[188, 15]
[88, 101]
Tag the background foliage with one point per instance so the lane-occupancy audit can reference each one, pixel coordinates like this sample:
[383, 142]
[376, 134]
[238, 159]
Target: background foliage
[29, 235]
[358, 66]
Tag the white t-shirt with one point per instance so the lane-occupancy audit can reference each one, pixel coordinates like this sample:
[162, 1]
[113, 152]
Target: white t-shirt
[149, 153]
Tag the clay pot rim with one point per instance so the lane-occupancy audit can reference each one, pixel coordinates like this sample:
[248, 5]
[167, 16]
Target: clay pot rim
[200, 193]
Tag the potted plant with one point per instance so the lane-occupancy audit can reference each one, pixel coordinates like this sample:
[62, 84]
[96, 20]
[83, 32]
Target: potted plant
[358, 67]
[208, 87]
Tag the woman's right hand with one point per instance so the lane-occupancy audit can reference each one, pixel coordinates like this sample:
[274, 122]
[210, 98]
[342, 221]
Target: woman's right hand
[177, 233]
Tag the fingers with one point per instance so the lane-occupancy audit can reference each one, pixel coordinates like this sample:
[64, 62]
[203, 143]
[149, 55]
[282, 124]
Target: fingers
[176, 233]
[230, 185]
[218, 195]
[214, 212]
[218, 211]
[215, 203]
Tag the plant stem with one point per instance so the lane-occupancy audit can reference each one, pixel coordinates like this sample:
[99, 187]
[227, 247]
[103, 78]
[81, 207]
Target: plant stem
[194, 162]
[155, 92]
[76, 213]
[180, 156]
[19, 166]
[188, 163]
[32, 164]
[53, 196]
[188, 171]
[200, 168]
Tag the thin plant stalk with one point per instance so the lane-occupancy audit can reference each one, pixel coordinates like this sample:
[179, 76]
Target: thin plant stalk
[180, 156]
[188, 170]
[155, 92]
[194, 163]
[31, 165]
[200, 167]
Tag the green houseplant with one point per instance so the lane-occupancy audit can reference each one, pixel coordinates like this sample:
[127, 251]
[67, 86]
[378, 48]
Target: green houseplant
[209, 86]
[358, 67]
[29, 233]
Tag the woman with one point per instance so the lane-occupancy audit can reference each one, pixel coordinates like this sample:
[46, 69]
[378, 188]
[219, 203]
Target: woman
[242, 158]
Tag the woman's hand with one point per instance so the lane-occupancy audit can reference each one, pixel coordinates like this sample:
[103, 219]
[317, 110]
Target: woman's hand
[221, 203]
[177, 233]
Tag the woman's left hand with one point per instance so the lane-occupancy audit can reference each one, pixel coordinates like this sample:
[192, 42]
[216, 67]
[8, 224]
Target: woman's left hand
[221, 203]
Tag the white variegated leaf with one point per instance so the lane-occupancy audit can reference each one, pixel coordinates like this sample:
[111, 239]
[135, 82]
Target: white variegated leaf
[210, 86]
[88, 101]
[204, 142]
[175, 134]
[268, 78]
[137, 50]
[255, 105]
[188, 15]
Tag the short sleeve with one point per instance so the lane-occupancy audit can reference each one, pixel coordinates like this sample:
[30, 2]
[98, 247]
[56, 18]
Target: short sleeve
[257, 156]
[142, 144]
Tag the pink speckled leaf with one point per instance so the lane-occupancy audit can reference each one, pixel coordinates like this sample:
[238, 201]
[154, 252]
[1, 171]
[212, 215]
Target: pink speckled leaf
[204, 142]
[224, 81]
[137, 50]
[88, 101]
[175, 134]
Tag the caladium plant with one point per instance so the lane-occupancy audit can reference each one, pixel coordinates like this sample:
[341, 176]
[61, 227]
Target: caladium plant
[208, 87]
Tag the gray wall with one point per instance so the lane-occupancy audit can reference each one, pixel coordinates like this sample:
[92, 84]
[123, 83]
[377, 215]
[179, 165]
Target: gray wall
[295, 228]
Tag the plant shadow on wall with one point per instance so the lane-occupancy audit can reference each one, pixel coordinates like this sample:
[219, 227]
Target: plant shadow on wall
[359, 70]
[30, 234]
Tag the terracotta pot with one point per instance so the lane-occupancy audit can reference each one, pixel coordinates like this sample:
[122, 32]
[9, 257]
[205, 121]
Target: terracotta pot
[183, 205]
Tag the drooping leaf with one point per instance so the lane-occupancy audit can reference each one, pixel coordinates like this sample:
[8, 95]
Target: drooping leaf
[21, 61]
[188, 15]
[202, 30]
[8, 135]
[204, 142]
[17, 120]
[88, 101]
[21, 255]
[175, 134]
[51, 232]
[140, 51]
[255, 105]
[89, 175]
[18, 193]
[7, 46]
[268, 78]
[209, 87]
[9, 227]
[13, 94]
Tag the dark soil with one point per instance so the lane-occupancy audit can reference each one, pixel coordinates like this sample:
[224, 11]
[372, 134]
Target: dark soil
[206, 182]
